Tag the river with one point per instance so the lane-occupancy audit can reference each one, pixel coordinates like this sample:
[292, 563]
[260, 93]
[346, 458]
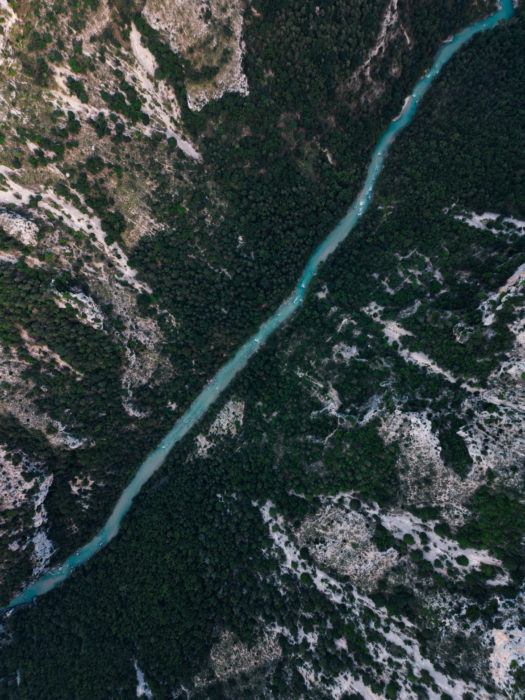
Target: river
[225, 375]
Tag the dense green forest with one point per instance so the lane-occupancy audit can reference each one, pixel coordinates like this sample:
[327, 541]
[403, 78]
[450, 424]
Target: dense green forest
[231, 232]
[265, 157]
[197, 554]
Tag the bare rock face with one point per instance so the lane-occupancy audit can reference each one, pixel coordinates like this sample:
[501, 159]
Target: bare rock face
[230, 656]
[208, 35]
[423, 474]
[23, 516]
[18, 227]
[341, 539]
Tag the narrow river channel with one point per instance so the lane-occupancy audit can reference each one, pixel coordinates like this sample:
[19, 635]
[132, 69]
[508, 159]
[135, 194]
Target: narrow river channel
[225, 375]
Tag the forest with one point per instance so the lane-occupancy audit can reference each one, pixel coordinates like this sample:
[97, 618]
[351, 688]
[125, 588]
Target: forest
[232, 233]
[195, 557]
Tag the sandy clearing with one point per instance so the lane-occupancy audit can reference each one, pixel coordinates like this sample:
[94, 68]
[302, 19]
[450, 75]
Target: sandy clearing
[344, 684]
[324, 583]
[227, 422]
[15, 400]
[517, 223]
[478, 221]
[78, 485]
[494, 302]
[513, 279]
[15, 491]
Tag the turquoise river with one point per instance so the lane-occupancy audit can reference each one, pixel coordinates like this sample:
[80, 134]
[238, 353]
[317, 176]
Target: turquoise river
[225, 375]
